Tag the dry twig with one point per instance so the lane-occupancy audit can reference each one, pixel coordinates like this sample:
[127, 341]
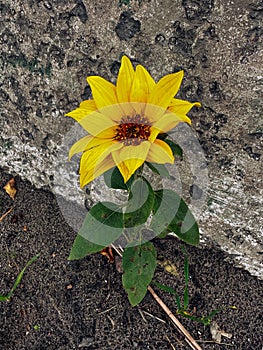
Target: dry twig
[111, 321]
[105, 311]
[141, 313]
[157, 318]
[170, 343]
[188, 338]
[5, 214]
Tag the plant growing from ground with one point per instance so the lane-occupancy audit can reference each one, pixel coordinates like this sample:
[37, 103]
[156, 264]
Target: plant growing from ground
[18, 280]
[130, 126]
[183, 302]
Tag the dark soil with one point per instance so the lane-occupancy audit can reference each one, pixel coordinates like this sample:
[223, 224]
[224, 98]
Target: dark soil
[63, 305]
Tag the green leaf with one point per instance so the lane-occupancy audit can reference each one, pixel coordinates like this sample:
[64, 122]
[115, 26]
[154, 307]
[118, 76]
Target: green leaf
[171, 213]
[178, 302]
[102, 226]
[206, 320]
[114, 179]
[163, 234]
[138, 264]
[186, 270]
[18, 279]
[186, 297]
[176, 149]
[165, 288]
[159, 169]
[140, 203]
[171, 291]
[162, 136]
[82, 247]
[186, 278]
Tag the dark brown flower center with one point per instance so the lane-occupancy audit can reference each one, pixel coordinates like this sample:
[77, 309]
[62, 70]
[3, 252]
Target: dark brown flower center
[133, 130]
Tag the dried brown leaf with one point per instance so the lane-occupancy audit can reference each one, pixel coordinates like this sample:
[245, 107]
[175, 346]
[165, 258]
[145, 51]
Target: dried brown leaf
[10, 188]
[108, 253]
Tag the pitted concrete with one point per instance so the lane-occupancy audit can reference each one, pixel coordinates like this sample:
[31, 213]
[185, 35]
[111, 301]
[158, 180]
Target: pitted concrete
[48, 49]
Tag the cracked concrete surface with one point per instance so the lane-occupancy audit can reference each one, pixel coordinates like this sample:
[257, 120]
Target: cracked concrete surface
[48, 49]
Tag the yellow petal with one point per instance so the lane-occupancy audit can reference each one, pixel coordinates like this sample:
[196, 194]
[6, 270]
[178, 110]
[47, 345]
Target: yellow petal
[79, 146]
[134, 152]
[160, 153]
[86, 143]
[130, 158]
[125, 170]
[114, 112]
[181, 107]
[91, 163]
[164, 91]
[88, 104]
[85, 108]
[100, 168]
[124, 80]
[143, 85]
[103, 92]
[98, 124]
[129, 167]
[168, 121]
[153, 134]
[96, 141]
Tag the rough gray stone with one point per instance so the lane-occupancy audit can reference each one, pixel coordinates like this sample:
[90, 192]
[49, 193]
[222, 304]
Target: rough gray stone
[48, 49]
[127, 26]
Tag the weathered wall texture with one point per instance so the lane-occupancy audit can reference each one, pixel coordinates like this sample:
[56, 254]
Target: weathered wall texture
[48, 49]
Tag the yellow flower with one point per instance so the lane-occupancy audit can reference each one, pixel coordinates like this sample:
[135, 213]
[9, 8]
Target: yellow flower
[123, 121]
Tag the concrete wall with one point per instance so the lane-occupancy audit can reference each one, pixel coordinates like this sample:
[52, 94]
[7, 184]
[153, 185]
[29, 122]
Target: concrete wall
[48, 49]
